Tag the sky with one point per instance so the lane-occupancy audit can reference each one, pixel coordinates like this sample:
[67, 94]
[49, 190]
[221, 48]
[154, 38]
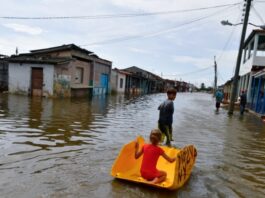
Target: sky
[179, 42]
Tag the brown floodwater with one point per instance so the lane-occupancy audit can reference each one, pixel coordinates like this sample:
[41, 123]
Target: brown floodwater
[65, 148]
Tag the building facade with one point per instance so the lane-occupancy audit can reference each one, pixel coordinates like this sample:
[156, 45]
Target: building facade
[253, 70]
[63, 71]
[118, 79]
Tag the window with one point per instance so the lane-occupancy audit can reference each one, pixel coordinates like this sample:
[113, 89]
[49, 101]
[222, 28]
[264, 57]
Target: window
[251, 49]
[79, 72]
[121, 82]
[261, 46]
[245, 54]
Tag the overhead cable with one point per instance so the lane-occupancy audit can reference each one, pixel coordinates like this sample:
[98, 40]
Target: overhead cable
[152, 34]
[107, 16]
[192, 72]
[228, 41]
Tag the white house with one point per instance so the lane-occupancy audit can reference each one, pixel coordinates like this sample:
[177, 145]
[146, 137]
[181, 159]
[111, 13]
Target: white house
[253, 70]
[118, 78]
[31, 76]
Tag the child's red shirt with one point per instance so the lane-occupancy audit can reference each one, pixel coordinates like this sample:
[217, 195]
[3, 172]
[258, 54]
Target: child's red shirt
[151, 154]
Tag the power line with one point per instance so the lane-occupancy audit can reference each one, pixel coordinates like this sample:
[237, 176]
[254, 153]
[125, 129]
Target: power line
[228, 40]
[192, 72]
[120, 39]
[107, 16]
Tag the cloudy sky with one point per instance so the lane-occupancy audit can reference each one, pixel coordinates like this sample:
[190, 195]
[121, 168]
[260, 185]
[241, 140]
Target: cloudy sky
[178, 41]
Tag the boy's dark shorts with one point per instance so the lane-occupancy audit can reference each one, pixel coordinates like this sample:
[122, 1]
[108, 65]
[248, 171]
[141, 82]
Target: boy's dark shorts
[217, 105]
[165, 129]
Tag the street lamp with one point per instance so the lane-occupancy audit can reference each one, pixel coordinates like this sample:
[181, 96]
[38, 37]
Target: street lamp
[232, 24]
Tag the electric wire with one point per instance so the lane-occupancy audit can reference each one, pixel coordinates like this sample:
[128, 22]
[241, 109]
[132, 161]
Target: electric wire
[152, 34]
[156, 33]
[107, 16]
[192, 72]
[228, 40]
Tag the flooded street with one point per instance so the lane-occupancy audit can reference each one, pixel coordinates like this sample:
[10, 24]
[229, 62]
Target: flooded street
[65, 148]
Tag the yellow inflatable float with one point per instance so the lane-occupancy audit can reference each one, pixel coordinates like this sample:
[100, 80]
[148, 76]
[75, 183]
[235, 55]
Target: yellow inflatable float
[128, 168]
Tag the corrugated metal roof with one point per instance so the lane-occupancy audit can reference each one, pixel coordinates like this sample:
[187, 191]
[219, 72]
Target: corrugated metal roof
[60, 48]
[40, 60]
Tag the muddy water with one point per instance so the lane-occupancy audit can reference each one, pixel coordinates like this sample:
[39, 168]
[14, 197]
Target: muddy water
[65, 148]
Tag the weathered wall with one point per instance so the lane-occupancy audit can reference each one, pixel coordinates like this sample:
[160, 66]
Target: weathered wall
[86, 66]
[113, 80]
[62, 81]
[19, 78]
[99, 69]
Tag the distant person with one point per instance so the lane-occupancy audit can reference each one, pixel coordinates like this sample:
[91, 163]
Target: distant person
[151, 153]
[165, 121]
[218, 97]
[243, 102]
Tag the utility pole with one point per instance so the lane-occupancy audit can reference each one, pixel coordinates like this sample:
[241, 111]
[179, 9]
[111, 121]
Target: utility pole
[215, 77]
[239, 56]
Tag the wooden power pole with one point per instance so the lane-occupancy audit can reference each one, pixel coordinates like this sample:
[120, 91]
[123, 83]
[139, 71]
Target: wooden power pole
[215, 76]
[238, 62]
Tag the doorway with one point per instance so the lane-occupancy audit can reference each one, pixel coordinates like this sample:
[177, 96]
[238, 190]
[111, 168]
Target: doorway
[36, 81]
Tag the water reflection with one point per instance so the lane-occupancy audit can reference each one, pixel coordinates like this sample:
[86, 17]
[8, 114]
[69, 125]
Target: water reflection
[46, 123]
[65, 148]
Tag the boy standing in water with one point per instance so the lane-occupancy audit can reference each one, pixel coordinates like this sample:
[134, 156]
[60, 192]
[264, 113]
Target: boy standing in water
[151, 153]
[166, 115]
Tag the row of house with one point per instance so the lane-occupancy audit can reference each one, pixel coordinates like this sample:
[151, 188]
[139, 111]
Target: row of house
[71, 71]
[62, 71]
[135, 80]
[252, 74]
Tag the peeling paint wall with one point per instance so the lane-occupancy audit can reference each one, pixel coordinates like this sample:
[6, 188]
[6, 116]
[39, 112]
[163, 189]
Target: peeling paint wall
[62, 85]
[62, 81]
[99, 70]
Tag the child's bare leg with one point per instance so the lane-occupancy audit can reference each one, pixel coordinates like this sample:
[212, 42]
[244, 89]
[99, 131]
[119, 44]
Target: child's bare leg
[162, 177]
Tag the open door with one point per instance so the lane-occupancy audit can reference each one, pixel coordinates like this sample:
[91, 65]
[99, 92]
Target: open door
[36, 81]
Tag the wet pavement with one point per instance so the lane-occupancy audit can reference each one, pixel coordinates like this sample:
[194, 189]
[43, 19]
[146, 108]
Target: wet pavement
[65, 148]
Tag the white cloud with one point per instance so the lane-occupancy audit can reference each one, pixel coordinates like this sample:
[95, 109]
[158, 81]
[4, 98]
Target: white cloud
[24, 28]
[24, 44]
[158, 34]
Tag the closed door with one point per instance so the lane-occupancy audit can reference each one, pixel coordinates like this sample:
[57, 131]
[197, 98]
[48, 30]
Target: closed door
[36, 81]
